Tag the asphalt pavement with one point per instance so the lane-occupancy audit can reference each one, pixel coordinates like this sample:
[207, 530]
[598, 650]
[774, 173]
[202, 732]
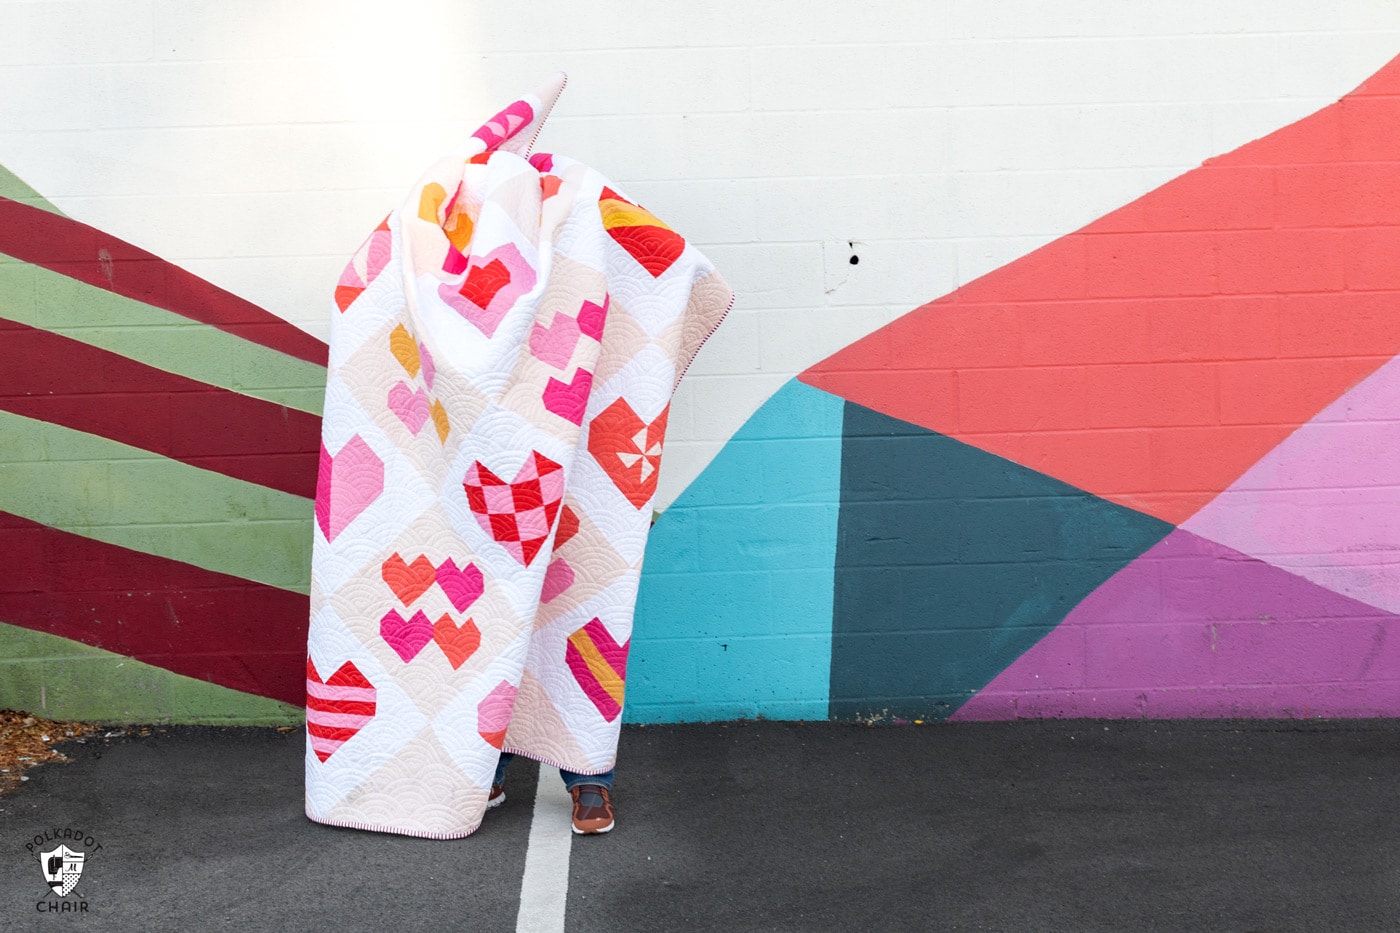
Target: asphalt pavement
[1028, 826]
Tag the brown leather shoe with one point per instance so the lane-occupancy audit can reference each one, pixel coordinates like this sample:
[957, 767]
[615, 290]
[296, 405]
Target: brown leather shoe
[498, 796]
[593, 809]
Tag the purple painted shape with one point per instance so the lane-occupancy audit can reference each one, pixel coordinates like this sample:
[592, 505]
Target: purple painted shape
[1325, 504]
[1195, 629]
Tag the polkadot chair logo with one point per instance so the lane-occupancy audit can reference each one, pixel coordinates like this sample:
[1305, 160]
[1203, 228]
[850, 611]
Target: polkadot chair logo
[62, 862]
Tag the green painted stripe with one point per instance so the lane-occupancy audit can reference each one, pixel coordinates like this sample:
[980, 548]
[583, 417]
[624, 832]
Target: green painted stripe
[41, 298]
[62, 679]
[123, 495]
[16, 190]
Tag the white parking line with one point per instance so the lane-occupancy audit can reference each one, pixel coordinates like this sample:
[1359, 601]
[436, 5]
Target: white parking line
[544, 890]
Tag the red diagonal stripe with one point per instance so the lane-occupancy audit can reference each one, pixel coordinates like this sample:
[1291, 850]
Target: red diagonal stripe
[212, 626]
[65, 381]
[87, 254]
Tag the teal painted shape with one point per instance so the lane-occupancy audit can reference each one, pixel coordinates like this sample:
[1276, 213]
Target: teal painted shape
[952, 562]
[734, 614]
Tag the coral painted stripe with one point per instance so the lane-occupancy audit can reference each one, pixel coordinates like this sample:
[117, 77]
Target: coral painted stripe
[64, 381]
[97, 258]
[1153, 356]
[195, 622]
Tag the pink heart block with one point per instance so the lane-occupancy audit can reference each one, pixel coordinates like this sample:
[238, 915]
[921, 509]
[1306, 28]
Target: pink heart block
[493, 713]
[463, 587]
[406, 636]
[555, 344]
[558, 577]
[429, 367]
[505, 124]
[490, 288]
[569, 401]
[346, 485]
[369, 260]
[410, 405]
[592, 317]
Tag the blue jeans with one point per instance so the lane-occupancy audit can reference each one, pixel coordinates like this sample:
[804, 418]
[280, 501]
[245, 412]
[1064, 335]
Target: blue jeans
[571, 780]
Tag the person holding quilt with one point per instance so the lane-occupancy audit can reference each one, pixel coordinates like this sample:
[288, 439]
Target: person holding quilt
[504, 348]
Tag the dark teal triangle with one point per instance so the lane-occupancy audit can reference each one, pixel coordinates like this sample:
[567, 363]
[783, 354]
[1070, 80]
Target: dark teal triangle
[951, 562]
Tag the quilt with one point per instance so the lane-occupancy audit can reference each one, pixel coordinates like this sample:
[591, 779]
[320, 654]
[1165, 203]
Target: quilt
[504, 348]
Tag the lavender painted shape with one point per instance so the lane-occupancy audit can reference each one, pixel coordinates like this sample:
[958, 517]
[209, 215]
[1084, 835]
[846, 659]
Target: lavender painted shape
[1194, 629]
[1325, 504]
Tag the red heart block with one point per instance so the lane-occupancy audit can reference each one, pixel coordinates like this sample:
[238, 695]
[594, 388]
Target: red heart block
[338, 708]
[483, 282]
[408, 581]
[628, 449]
[519, 514]
[406, 636]
[653, 244]
[464, 586]
[458, 642]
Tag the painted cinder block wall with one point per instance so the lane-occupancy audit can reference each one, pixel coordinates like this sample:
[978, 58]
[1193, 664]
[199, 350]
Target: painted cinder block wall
[1088, 427]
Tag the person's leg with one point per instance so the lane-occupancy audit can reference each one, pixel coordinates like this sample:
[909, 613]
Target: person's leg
[572, 779]
[498, 791]
[592, 794]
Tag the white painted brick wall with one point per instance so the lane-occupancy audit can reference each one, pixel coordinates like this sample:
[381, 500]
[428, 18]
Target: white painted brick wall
[255, 142]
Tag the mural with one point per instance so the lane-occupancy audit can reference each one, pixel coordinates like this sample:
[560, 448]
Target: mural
[161, 439]
[1146, 470]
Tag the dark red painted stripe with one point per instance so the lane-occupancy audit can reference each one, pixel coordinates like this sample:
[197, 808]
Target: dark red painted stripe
[89, 255]
[207, 625]
[68, 382]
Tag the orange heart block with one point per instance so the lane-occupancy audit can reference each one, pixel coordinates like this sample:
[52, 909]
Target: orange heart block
[653, 244]
[628, 449]
[458, 642]
[408, 581]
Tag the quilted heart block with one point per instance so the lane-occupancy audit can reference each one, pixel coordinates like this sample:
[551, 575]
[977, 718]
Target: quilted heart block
[346, 484]
[406, 636]
[637, 230]
[492, 284]
[338, 708]
[463, 587]
[493, 713]
[518, 514]
[505, 124]
[628, 449]
[408, 581]
[410, 405]
[364, 267]
[599, 664]
[458, 642]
